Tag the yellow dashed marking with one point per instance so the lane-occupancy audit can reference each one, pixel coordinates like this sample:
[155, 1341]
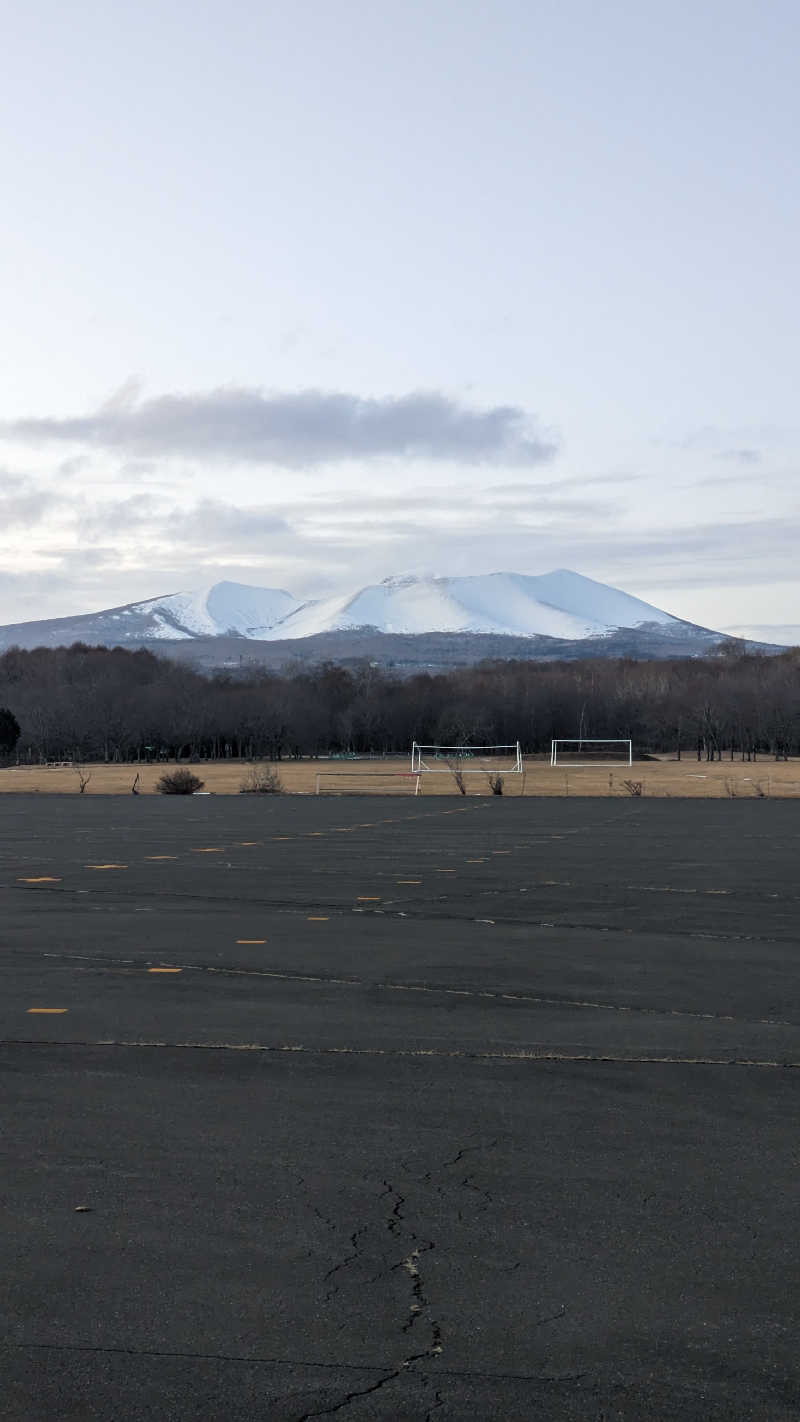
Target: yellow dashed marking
[153, 857]
[43, 879]
[474, 861]
[408, 881]
[47, 1011]
[317, 918]
[501, 851]
[249, 843]
[368, 898]
[208, 851]
[251, 940]
[315, 834]
[280, 836]
[105, 866]
[165, 970]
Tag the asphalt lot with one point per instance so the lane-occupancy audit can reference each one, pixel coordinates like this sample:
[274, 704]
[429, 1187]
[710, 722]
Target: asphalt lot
[387, 1109]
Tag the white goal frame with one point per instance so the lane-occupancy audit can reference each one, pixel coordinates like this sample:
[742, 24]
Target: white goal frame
[588, 741]
[362, 775]
[459, 757]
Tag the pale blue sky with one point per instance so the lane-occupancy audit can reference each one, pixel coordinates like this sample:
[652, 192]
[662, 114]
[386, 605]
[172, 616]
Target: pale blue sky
[586, 212]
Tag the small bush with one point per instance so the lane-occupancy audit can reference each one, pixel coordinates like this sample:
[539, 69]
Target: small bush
[179, 782]
[261, 780]
[496, 784]
[634, 787]
[458, 776]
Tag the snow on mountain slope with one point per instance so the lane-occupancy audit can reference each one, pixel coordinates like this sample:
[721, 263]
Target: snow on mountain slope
[560, 604]
[224, 608]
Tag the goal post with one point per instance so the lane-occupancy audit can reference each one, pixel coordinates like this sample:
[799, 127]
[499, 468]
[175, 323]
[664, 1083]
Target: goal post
[505, 759]
[366, 782]
[575, 753]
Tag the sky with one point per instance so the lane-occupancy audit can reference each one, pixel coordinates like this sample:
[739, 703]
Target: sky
[308, 295]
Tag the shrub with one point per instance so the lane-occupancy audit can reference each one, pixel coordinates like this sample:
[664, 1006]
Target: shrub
[458, 776]
[496, 784]
[178, 782]
[261, 780]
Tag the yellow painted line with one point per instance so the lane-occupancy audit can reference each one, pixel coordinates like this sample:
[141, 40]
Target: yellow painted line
[501, 851]
[208, 851]
[315, 834]
[48, 1011]
[43, 879]
[474, 861]
[105, 866]
[368, 898]
[153, 857]
[316, 918]
[408, 881]
[445, 871]
[249, 843]
[165, 970]
[280, 836]
[251, 940]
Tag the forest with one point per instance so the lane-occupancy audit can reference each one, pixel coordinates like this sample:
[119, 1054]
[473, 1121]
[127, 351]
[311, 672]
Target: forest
[96, 704]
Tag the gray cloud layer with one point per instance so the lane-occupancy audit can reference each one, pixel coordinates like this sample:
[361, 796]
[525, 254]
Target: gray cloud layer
[299, 430]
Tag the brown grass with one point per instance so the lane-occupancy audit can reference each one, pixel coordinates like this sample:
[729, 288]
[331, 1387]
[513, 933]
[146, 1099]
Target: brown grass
[661, 778]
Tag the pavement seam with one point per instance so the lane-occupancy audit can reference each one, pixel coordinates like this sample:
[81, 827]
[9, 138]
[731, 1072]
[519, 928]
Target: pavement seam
[22, 1344]
[434, 989]
[289, 1049]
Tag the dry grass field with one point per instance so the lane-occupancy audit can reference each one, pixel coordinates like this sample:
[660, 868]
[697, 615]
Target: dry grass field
[664, 778]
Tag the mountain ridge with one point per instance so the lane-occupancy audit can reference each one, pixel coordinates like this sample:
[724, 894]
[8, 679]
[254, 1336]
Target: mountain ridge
[560, 603]
[510, 614]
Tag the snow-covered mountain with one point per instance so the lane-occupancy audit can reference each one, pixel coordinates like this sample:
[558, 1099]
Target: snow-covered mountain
[561, 604]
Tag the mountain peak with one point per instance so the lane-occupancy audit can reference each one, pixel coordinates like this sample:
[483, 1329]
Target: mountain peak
[561, 604]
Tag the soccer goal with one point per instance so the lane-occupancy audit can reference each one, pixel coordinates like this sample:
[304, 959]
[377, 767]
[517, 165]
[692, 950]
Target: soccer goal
[503, 760]
[366, 782]
[572, 754]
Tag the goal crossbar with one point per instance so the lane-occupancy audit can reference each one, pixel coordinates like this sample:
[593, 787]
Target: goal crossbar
[571, 758]
[470, 760]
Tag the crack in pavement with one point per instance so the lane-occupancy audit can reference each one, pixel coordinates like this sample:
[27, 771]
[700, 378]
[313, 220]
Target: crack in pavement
[343, 1263]
[396, 1226]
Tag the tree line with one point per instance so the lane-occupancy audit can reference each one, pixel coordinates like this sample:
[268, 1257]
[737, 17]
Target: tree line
[92, 703]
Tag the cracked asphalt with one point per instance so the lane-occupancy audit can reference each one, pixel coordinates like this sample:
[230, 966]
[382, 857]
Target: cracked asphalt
[399, 1109]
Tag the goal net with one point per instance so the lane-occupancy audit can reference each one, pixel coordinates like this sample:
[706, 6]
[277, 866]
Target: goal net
[581, 752]
[366, 782]
[503, 760]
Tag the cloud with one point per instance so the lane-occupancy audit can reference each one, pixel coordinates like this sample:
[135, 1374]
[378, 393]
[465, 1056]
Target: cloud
[297, 430]
[740, 456]
[210, 524]
[24, 509]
